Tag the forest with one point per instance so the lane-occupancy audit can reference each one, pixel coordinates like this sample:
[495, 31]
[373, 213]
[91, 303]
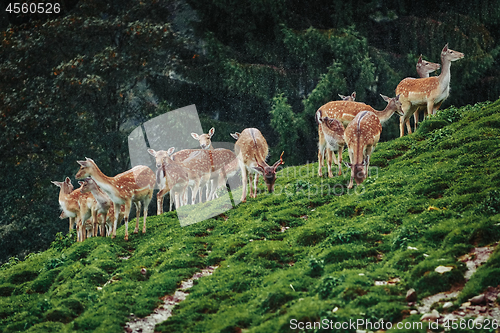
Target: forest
[75, 83]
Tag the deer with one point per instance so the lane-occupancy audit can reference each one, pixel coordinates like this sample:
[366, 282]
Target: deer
[102, 204]
[332, 140]
[251, 150]
[361, 135]
[205, 141]
[171, 178]
[351, 97]
[427, 92]
[135, 185]
[344, 112]
[68, 203]
[75, 206]
[335, 139]
[211, 164]
[424, 68]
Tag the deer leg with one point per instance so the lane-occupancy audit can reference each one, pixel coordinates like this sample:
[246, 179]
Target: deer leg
[255, 182]
[126, 217]
[145, 211]
[341, 149]
[71, 222]
[321, 152]
[436, 107]
[415, 118]
[401, 126]
[245, 183]
[138, 214]
[329, 155]
[408, 127]
[117, 208]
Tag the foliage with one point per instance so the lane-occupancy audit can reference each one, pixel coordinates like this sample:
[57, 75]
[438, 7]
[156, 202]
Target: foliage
[303, 255]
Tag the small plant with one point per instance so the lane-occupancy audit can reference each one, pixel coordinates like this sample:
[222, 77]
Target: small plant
[491, 205]
[12, 262]
[62, 242]
[316, 267]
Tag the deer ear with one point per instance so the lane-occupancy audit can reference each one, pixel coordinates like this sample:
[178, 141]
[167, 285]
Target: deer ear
[349, 165]
[445, 48]
[80, 182]
[259, 169]
[56, 183]
[235, 136]
[211, 132]
[195, 136]
[353, 95]
[152, 152]
[170, 150]
[419, 59]
[83, 163]
[67, 180]
[385, 98]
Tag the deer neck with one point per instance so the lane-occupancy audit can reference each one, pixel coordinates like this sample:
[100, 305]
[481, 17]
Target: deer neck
[385, 114]
[101, 197]
[105, 183]
[445, 76]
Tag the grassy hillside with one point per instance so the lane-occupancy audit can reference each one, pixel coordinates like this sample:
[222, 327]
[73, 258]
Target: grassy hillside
[300, 253]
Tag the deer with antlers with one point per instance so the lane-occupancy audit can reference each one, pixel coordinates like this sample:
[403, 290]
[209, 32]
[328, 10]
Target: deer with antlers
[135, 185]
[345, 112]
[172, 178]
[251, 150]
[427, 92]
[361, 135]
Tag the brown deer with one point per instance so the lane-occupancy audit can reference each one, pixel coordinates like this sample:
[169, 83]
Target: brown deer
[135, 185]
[361, 136]
[333, 137]
[102, 204]
[75, 206]
[427, 92]
[424, 68]
[68, 204]
[344, 112]
[171, 177]
[351, 97]
[251, 150]
[205, 140]
[332, 140]
[209, 164]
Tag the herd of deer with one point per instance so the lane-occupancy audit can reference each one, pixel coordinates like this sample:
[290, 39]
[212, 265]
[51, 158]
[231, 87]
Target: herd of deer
[102, 201]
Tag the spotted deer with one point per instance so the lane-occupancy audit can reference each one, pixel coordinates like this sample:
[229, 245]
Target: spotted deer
[75, 206]
[102, 204]
[351, 97]
[210, 164]
[427, 92]
[135, 185]
[67, 202]
[361, 135]
[171, 178]
[205, 141]
[331, 140]
[424, 68]
[344, 112]
[251, 149]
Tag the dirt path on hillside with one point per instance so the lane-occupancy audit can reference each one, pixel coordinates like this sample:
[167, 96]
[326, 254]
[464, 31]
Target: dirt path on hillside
[164, 311]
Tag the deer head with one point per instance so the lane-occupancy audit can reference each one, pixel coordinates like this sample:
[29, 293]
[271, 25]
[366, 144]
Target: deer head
[205, 139]
[269, 172]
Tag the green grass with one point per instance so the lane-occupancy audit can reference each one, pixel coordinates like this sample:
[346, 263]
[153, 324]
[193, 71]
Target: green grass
[432, 197]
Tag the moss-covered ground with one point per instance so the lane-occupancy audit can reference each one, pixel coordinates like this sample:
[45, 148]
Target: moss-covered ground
[310, 252]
